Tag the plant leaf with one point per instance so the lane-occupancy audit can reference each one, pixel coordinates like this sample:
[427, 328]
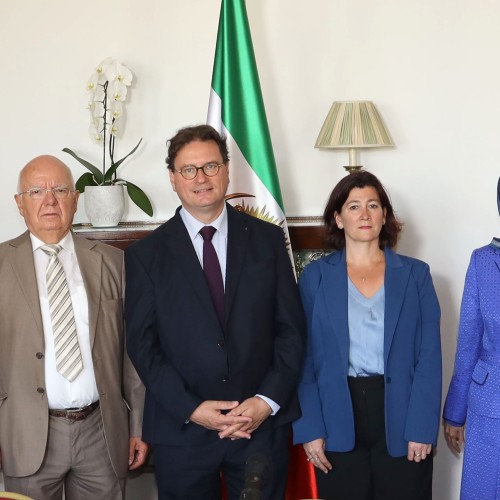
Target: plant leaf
[97, 173]
[112, 169]
[86, 179]
[139, 197]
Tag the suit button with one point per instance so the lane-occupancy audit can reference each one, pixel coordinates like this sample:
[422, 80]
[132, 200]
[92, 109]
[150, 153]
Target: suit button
[223, 379]
[39, 355]
[40, 390]
[220, 343]
[388, 380]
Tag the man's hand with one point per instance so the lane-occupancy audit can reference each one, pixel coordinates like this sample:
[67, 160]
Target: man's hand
[455, 437]
[216, 416]
[257, 409]
[138, 452]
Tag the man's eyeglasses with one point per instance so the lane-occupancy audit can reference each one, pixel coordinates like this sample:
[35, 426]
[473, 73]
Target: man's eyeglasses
[59, 193]
[189, 172]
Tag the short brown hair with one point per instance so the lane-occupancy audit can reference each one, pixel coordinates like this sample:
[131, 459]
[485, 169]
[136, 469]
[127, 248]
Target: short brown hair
[335, 237]
[186, 135]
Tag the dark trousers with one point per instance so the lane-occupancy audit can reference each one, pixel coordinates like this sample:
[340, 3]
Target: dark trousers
[194, 472]
[368, 472]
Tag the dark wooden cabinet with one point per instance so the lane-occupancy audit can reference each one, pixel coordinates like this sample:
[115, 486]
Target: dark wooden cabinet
[302, 237]
[307, 239]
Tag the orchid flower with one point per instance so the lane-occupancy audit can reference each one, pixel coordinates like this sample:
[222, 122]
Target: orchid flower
[107, 91]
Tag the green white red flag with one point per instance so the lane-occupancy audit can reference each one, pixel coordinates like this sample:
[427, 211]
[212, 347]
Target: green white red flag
[236, 109]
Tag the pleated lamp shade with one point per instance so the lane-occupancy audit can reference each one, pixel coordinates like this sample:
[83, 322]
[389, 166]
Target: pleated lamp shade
[352, 125]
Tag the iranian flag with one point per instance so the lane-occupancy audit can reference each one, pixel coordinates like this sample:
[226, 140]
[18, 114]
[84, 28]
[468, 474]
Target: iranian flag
[236, 109]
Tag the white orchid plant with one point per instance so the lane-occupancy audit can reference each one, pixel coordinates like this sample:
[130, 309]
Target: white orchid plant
[107, 88]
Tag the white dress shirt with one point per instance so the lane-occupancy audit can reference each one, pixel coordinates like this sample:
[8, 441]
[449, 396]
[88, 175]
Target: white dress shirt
[61, 393]
[219, 241]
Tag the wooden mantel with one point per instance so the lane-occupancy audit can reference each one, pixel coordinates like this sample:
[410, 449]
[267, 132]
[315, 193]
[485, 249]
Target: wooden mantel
[302, 236]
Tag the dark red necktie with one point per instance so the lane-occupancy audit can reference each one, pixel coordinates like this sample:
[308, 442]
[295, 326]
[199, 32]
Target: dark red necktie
[213, 274]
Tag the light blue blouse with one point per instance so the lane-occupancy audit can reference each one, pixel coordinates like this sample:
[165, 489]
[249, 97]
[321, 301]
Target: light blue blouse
[366, 332]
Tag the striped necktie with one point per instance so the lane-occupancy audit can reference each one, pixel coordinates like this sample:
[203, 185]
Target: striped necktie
[68, 356]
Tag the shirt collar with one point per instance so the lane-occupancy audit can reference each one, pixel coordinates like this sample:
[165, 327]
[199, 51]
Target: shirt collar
[193, 225]
[66, 243]
[495, 243]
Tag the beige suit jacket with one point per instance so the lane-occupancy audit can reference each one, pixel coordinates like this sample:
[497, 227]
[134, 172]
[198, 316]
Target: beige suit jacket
[23, 402]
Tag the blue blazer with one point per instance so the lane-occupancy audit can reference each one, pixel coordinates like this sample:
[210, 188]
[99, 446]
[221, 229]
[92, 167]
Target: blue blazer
[412, 355]
[476, 379]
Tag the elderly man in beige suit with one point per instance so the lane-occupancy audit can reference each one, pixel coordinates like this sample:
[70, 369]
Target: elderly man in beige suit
[70, 401]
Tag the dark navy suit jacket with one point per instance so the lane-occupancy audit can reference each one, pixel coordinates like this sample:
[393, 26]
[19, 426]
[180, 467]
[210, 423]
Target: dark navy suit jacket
[412, 355]
[177, 344]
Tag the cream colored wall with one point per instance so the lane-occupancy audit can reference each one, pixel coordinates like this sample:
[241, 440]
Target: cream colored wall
[430, 67]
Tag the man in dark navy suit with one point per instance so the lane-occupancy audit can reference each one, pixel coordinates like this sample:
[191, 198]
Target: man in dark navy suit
[218, 341]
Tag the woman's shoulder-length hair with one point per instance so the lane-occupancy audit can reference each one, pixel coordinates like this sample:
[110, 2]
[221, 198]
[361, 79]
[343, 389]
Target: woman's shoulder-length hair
[335, 237]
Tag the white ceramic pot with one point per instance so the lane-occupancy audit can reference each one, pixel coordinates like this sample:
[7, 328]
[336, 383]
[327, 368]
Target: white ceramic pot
[104, 205]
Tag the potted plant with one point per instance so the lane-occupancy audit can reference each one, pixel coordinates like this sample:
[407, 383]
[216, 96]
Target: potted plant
[107, 88]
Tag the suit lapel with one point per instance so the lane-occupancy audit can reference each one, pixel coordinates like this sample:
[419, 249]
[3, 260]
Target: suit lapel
[24, 268]
[90, 263]
[178, 242]
[335, 297]
[237, 245]
[396, 280]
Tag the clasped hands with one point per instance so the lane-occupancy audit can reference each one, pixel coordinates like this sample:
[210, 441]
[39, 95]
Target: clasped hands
[232, 419]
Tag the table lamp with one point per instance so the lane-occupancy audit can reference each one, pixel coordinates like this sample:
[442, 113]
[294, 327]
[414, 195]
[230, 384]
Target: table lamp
[352, 125]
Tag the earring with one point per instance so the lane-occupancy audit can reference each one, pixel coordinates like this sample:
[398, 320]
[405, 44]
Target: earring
[340, 226]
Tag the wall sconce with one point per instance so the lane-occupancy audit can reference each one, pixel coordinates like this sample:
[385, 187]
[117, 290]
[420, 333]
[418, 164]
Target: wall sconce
[352, 125]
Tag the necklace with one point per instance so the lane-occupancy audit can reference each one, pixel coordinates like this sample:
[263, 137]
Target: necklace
[364, 275]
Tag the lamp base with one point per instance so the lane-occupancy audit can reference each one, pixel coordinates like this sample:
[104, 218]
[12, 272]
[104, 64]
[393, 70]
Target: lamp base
[353, 168]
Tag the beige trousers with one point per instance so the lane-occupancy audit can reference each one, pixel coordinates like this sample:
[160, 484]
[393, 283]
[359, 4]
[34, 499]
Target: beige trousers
[76, 462]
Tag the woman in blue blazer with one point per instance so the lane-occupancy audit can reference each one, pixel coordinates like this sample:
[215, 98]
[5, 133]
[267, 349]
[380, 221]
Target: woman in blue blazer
[474, 393]
[370, 391]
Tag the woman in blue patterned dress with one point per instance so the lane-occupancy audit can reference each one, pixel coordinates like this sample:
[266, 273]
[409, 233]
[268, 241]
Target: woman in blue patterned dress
[474, 393]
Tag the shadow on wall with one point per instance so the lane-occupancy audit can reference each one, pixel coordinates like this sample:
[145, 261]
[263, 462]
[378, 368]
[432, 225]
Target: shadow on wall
[447, 465]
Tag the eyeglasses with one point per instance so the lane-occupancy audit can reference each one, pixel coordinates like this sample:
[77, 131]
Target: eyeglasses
[59, 193]
[189, 172]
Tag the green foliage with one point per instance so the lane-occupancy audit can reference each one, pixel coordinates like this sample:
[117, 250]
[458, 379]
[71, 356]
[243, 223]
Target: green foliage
[96, 177]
